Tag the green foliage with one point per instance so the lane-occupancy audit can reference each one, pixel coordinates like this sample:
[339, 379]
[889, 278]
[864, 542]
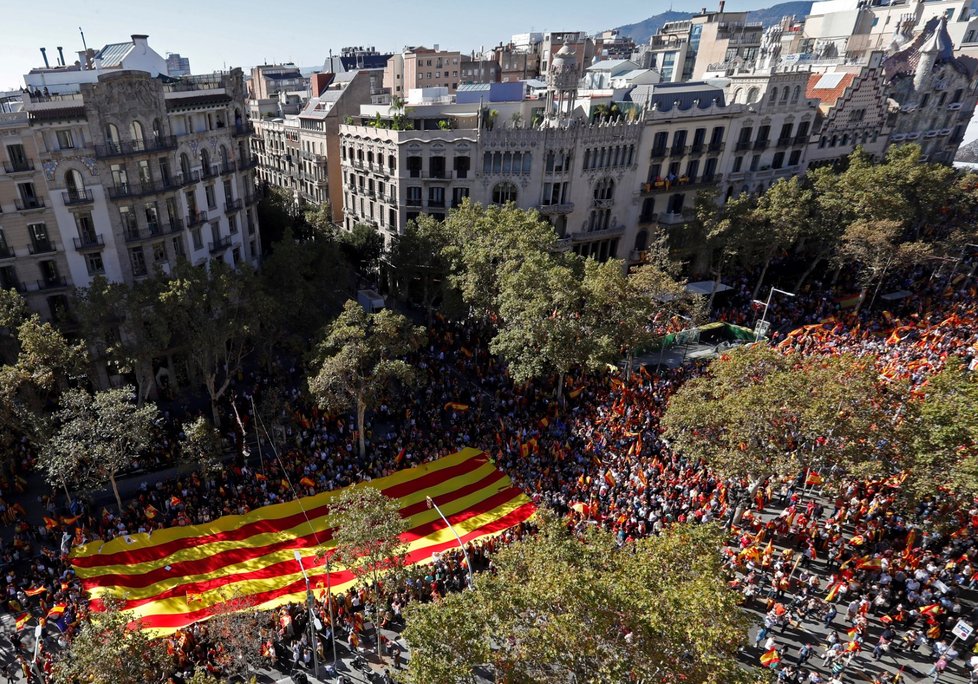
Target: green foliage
[875, 248]
[202, 444]
[558, 607]
[942, 435]
[216, 314]
[489, 242]
[362, 247]
[359, 357]
[758, 413]
[419, 268]
[98, 436]
[108, 649]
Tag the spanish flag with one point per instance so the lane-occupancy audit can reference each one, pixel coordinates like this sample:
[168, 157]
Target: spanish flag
[455, 406]
[56, 611]
[770, 658]
[50, 523]
[35, 591]
[66, 520]
[867, 563]
[833, 592]
[307, 482]
[151, 511]
[400, 456]
[576, 392]
[610, 479]
[21, 621]
[931, 609]
[174, 502]
[260, 477]
[249, 559]
[813, 479]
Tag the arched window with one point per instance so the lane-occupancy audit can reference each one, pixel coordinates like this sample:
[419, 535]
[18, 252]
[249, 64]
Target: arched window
[784, 95]
[752, 95]
[185, 166]
[527, 163]
[795, 94]
[774, 95]
[136, 133]
[503, 193]
[112, 137]
[224, 156]
[205, 161]
[737, 94]
[604, 189]
[587, 159]
[74, 184]
[507, 162]
[157, 130]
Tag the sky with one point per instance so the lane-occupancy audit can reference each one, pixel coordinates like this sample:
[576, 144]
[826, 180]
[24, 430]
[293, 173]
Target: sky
[217, 34]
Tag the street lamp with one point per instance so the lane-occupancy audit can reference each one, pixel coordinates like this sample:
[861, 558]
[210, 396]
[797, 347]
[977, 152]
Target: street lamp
[329, 601]
[312, 616]
[468, 563]
[760, 330]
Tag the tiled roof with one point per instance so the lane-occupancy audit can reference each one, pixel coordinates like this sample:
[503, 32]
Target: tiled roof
[113, 54]
[934, 37]
[828, 88]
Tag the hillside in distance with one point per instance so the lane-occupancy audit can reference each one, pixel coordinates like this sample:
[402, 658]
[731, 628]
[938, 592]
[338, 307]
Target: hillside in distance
[641, 31]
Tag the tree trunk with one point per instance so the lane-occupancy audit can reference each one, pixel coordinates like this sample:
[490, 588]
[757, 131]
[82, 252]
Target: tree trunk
[709, 304]
[760, 280]
[808, 271]
[361, 411]
[215, 413]
[560, 389]
[115, 490]
[67, 493]
[862, 298]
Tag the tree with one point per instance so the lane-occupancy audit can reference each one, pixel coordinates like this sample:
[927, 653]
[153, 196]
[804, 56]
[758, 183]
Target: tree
[543, 330]
[235, 633]
[359, 357]
[758, 413]
[942, 435]
[38, 365]
[319, 219]
[215, 313]
[876, 248]
[488, 242]
[782, 216]
[367, 528]
[725, 229]
[128, 326]
[201, 443]
[98, 437]
[109, 649]
[561, 608]
[362, 246]
[419, 269]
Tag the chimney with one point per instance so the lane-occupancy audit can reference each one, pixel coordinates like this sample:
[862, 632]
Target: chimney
[436, 47]
[722, 3]
[139, 40]
[82, 59]
[61, 55]
[44, 54]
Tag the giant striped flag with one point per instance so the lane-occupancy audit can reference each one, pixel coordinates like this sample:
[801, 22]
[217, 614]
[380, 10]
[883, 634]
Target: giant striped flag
[174, 577]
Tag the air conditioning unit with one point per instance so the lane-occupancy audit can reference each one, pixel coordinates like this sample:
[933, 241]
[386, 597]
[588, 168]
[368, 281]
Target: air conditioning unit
[954, 106]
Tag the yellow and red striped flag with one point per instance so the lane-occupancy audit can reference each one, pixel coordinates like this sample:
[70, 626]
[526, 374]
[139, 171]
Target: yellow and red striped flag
[770, 658]
[21, 621]
[56, 611]
[35, 591]
[249, 559]
[814, 479]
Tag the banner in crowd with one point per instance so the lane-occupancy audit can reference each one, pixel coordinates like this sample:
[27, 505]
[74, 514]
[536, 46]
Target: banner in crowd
[176, 576]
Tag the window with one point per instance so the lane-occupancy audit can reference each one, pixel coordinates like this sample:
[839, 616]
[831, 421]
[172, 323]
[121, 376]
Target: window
[738, 163]
[459, 194]
[604, 190]
[414, 167]
[136, 133]
[144, 175]
[138, 261]
[159, 252]
[209, 194]
[232, 224]
[755, 162]
[752, 95]
[191, 198]
[8, 279]
[462, 165]
[40, 242]
[65, 140]
[503, 192]
[177, 243]
[436, 165]
[436, 197]
[86, 229]
[93, 262]
[794, 158]
[414, 196]
[197, 237]
[778, 160]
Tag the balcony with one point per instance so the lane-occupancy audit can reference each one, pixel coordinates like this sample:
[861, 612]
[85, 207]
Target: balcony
[219, 246]
[53, 283]
[120, 149]
[413, 202]
[602, 234]
[249, 163]
[243, 129]
[41, 247]
[743, 145]
[250, 198]
[659, 152]
[761, 144]
[147, 188]
[784, 142]
[94, 241]
[676, 218]
[13, 285]
[29, 204]
[196, 219]
[715, 146]
[19, 166]
[77, 197]
[697, 148]
[232, 206]
[801, 139]
[648, 218]
[562, 208]
[678, 150]
[436, 204]
[208, 171]
[227, 167]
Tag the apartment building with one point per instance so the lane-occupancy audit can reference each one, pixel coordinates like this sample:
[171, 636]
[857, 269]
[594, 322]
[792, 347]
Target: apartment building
[421, 67]
[123, 177]
[294, 152]
[268, 80]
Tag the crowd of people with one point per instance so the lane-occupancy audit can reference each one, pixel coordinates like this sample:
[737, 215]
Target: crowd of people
[600, 457]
